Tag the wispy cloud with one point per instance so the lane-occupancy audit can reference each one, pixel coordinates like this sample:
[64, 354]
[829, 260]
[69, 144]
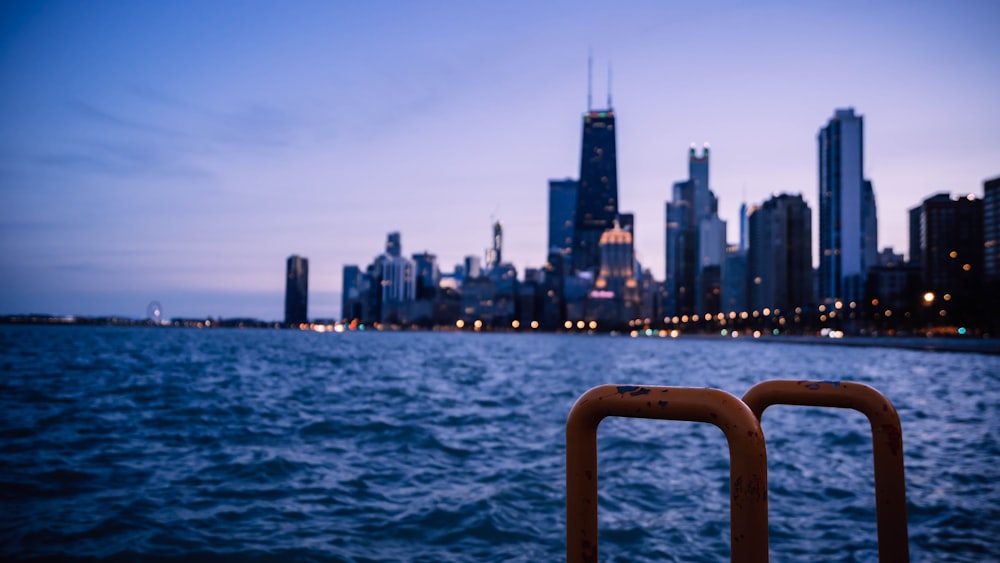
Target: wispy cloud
[122, 159]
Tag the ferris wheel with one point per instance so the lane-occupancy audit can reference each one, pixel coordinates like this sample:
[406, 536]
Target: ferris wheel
[154, 312]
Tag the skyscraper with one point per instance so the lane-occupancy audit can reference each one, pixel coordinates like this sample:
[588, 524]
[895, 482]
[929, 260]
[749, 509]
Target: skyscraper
[847, 218]
[991, 253]
[780, 254]
[296, 290]
[696, 242]
[597, 193]
[991, 230]
[951, 255]
[351, 306]
[494, 254]
[562, 210]
[393, 244]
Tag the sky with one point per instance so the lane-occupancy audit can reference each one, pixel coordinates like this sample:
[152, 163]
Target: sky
[181, 151]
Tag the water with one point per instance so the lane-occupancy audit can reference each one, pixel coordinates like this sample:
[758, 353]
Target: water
[262, 445]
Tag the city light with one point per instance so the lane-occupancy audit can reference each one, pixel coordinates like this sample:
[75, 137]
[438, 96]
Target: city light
[929, 297]
[460, 323]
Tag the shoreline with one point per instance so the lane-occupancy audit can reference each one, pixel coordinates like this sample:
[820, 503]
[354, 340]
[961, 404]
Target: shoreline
[927, 344]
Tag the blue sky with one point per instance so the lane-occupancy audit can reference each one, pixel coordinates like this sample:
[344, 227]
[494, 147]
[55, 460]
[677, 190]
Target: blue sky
[180, 151]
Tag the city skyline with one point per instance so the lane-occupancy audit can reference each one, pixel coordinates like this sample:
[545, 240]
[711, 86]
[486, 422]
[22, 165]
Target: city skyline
[150, 153]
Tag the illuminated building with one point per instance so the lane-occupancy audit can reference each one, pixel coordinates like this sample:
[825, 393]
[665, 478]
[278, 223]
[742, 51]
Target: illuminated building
[597, 192]
[553, 291]
[848, 243]
[991, 230]
[780, 255]
[991, 253]
[951, 255]
[296, 290]
[615, 296]
[562, 209]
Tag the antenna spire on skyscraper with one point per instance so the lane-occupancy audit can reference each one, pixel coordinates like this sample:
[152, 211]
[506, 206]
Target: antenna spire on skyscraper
[590, 78]
[609, 85]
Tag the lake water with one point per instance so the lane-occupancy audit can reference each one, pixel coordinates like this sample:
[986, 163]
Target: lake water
[267, 445]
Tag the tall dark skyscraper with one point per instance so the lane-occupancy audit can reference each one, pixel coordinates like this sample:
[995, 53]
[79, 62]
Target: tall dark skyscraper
[780, 254]
[597, 194]
[296, 290]
[562, 210]
[991, 253]
[847, 219]
[991, 230]
[350, 296]
[951, 255]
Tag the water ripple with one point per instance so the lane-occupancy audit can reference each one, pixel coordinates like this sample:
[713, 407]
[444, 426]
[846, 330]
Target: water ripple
[160, 445]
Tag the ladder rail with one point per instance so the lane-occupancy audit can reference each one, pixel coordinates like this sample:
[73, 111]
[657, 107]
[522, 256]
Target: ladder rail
[748, 459]
[887, 445]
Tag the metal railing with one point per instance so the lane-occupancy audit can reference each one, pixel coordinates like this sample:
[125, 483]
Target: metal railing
[887, 445]
[740, 422]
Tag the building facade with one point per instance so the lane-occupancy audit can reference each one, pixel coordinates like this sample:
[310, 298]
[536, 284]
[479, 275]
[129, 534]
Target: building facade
[562, 210]
[296, 290]
[597, 191]
[991, 253]
[780, 254]
[951, 257]
[847, 215]
[695, 243]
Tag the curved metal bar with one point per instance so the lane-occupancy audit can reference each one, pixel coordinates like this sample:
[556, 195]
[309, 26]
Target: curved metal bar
[748, 459]
[887, 445]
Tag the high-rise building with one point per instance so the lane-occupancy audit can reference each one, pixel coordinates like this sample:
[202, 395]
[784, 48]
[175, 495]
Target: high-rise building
[848, 243]
[991, 254]
[472, 267]
[393, 246]
[951, 255]
[427, 274]
[615, 297]
[350, 297]
[597, 192]
[780, 254]
[991, 230]
[494, 254]
[696, 242]
[734, 280]
[562, 210]
[296, 290]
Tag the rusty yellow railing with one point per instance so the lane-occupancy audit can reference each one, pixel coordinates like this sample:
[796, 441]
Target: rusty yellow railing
[740, 421]
[748, 465]
[887, 446]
